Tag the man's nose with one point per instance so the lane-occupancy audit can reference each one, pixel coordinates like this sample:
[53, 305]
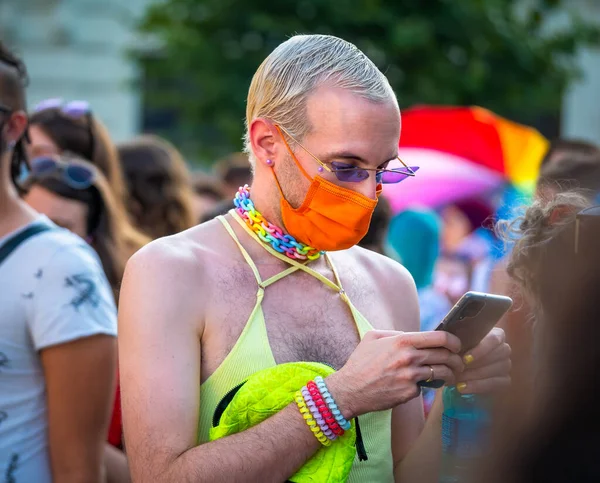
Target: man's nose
[368, 187]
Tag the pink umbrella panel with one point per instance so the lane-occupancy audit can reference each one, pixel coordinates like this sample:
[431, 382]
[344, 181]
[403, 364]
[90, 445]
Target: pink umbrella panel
[441, 179]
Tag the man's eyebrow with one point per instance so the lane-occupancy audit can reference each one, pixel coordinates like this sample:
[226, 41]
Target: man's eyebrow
[349, 156]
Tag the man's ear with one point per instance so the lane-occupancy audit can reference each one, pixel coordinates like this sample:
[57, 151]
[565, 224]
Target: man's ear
[263, 140]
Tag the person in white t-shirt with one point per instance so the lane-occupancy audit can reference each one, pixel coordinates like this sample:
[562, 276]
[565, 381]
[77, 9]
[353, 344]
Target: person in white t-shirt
[57, 328]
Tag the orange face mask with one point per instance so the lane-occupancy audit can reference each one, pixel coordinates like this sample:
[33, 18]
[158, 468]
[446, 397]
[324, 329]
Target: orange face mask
[331, 217]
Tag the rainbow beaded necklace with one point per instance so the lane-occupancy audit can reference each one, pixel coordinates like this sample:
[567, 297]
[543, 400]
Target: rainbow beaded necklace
[270, 233]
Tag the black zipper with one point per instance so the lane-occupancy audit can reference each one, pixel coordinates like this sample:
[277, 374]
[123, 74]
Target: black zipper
[361, 451]
[223, 403]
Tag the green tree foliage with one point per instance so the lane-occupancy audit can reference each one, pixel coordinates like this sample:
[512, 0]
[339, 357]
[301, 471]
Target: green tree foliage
[486, 52]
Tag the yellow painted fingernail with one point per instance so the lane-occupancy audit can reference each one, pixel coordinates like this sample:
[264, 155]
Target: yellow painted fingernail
[461, 386]
[468, 359]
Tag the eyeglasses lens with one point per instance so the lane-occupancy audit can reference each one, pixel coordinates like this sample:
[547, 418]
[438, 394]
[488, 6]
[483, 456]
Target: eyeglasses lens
[397, 175]
[40, 166]
[348, 173]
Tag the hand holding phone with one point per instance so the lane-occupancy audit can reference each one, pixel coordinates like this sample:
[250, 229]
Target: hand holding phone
[471, 319]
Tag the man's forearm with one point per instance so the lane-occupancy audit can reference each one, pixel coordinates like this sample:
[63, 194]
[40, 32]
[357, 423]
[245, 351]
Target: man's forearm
[422, 463]
[268, 452]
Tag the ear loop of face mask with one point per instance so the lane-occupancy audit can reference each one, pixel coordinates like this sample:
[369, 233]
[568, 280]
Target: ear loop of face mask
[302, 170]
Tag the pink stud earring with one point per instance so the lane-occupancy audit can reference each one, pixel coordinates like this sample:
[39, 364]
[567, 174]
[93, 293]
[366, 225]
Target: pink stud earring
[269, 162]
[320, 170]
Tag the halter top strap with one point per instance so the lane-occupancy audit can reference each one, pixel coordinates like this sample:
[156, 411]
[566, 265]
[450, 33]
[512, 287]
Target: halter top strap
[243, 251]
[337, 285]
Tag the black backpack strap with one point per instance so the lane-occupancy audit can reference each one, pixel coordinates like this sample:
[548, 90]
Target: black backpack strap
[13, 242]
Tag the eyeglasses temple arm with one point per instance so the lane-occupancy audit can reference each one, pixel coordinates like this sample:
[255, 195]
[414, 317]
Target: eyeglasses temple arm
[405, 165]
[321, 163]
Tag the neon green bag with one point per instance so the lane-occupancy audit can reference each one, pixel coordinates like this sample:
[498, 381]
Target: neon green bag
[268, 392]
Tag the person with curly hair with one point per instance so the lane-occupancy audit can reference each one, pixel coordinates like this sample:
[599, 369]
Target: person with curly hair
[568, 165]
[548, 433]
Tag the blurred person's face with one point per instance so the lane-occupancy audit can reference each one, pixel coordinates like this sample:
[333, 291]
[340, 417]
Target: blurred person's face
[40, 144]
[455, 228]
[70, 214]
[452, 278]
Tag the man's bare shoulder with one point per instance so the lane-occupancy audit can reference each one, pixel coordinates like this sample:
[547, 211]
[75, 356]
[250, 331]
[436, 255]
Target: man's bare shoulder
[394, 285]
[186, 255]
[382, 267]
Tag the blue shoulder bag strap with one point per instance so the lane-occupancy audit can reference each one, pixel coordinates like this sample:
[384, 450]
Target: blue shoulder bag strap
[13, 242]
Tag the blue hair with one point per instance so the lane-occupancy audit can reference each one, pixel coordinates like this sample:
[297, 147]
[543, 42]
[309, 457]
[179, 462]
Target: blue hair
[414, 236]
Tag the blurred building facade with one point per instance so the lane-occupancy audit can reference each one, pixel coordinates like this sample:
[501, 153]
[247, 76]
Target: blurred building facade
[77, 49]
[581, 113]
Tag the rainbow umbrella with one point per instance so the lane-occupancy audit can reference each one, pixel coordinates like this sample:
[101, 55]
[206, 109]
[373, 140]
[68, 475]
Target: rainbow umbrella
[463, 152]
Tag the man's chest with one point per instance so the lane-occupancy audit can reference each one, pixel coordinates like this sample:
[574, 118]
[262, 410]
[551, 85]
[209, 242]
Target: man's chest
[303, 320]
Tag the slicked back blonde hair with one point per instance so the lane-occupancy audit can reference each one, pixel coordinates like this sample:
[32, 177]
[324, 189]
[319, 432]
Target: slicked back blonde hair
[284, 81]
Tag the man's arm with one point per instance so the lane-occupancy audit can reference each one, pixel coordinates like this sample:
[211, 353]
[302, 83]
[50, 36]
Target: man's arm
[80, 389]
[159, 344]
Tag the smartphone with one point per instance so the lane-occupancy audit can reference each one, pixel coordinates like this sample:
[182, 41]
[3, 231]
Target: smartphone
[473, 316]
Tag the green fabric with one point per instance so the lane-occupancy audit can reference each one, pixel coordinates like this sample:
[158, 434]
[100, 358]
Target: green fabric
[268, 392]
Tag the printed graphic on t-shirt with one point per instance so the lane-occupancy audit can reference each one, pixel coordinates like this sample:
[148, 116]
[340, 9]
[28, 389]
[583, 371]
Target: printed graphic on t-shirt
[3, 361]
[13, 465]
[85, 287]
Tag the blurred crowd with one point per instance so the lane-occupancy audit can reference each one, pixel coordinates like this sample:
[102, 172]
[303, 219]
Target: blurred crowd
[119, 197]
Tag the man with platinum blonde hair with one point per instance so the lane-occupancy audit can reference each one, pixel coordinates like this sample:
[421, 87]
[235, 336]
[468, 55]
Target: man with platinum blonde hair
[280, 280]
[284, 81]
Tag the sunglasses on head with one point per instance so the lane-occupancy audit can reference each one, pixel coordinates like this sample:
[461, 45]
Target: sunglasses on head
[75, 110]
[75, 175]
[587, 227]
[5, 109]
[348, 173]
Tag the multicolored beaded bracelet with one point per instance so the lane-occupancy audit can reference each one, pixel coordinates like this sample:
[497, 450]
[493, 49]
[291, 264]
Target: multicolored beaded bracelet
[312, 424]
[323, 409]
[310, 403]
[337, 414]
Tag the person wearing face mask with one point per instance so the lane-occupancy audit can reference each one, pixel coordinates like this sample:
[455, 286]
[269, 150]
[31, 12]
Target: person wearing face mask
[280, 280]
[57, 326]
